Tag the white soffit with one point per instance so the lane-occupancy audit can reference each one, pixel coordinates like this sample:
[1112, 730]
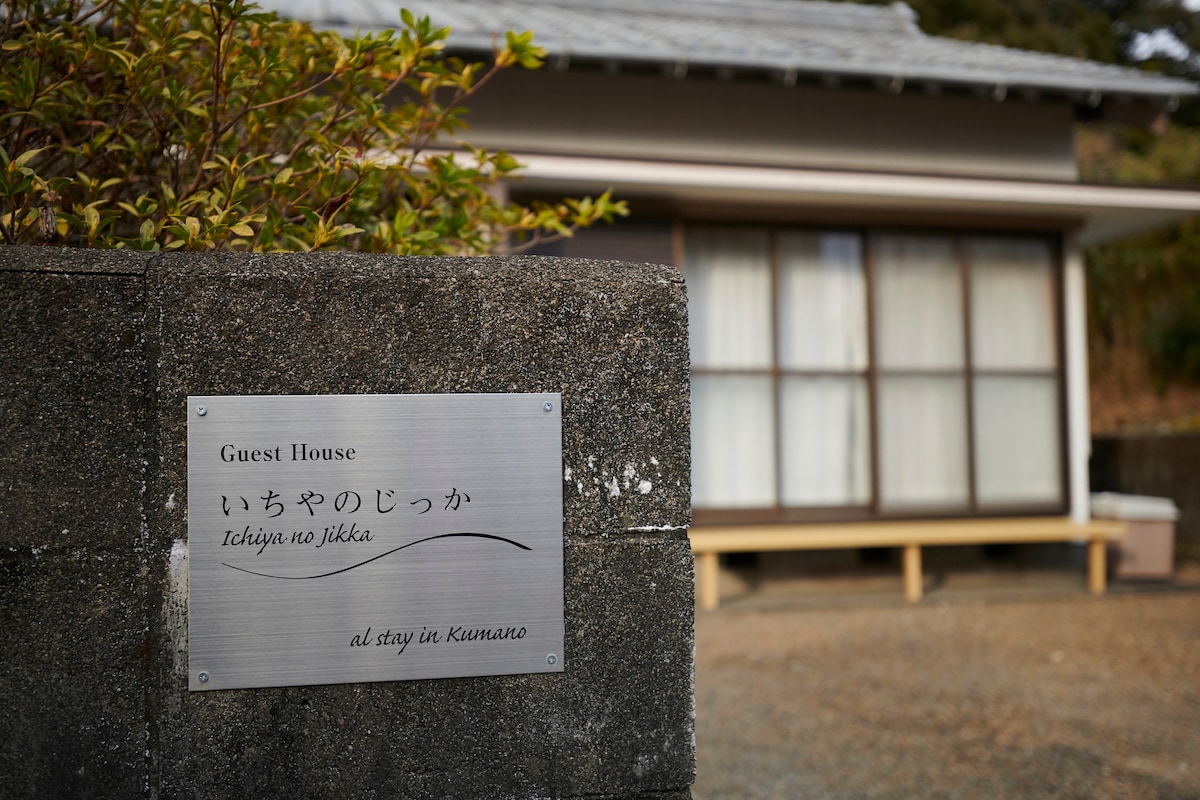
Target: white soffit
[1102, 212]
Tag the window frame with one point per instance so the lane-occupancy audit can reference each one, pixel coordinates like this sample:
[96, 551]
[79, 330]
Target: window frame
[969, 373]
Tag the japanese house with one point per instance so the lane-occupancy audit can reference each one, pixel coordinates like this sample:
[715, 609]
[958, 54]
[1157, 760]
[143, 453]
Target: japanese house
[881, 231]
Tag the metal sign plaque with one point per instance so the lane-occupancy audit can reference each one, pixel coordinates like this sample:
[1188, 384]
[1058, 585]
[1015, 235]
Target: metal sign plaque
[351, 538]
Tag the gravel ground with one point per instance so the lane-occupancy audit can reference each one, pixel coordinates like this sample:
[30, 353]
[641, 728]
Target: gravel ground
[1066, 696]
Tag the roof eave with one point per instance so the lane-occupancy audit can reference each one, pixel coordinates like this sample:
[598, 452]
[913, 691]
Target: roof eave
[1100, 213]
[1161, 93]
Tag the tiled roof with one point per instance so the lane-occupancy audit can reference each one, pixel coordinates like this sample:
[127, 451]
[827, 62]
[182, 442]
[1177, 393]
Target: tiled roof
[787, 40]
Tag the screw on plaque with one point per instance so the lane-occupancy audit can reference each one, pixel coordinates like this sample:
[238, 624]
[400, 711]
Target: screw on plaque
[201, 410]
[548, 407]
[203, 677]
[552, 659]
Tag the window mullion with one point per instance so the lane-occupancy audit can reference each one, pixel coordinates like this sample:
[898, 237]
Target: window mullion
[968, 371]
[1058, 309]
[776, 371]
[872, 375]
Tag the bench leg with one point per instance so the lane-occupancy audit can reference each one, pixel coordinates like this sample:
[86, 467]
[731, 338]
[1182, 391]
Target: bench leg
[708, 580]
[913, 581]
[1097, 566]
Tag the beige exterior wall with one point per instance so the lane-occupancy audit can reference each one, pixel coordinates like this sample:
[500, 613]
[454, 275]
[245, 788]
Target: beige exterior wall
[705, 120]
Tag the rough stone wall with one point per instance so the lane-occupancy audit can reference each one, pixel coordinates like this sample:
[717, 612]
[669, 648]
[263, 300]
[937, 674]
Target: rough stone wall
[1159, 465]
[100, 352]
[75, 611]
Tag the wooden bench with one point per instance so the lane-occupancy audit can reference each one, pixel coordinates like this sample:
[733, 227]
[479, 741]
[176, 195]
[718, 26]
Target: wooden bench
[709, 542]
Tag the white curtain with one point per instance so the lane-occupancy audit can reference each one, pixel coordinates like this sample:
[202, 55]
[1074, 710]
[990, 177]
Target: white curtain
[922, 442]
[825, 437]
[733, 418]
[825, 441]
[919, 303]
[822, 302]
[1017, 428]
[729, 298]
[919, 327]
[1012, 304]
[1017, 440]
[819, 436]
[733, 442]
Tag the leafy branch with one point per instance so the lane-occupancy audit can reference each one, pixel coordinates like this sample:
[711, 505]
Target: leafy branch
[209, 124]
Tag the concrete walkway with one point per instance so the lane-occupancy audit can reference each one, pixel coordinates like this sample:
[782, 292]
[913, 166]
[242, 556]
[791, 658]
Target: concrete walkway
[996, 690]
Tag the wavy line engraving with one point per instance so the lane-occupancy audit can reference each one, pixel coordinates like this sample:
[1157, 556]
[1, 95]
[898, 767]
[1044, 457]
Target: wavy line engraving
[464, 534]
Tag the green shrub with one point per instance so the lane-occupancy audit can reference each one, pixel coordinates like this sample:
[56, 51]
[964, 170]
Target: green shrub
[1172, 339]
[211, 125]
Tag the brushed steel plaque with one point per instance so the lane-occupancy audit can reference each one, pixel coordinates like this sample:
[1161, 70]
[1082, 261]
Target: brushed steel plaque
[354, 538]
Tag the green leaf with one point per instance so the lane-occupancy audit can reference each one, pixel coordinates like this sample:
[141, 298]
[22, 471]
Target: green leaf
[303, 119]
[28, 156]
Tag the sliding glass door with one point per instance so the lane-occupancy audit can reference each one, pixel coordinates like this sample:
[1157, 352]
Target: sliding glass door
[878, 374]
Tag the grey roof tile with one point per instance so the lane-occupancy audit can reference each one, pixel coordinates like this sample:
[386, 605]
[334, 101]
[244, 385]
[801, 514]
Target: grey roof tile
[779, 37]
